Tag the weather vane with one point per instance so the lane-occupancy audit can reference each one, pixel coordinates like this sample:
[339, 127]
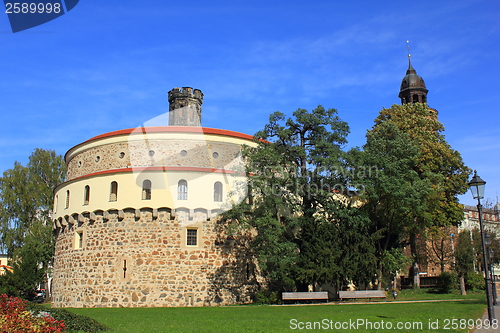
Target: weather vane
[408, 48]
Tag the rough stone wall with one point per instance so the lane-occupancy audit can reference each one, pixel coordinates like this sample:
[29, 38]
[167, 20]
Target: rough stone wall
[165, 152]
[99, 158]
[160, 269]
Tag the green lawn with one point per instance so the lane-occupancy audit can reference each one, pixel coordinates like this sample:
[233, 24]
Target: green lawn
[354, 317]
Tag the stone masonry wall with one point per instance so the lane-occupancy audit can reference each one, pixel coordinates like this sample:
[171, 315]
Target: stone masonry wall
[132, 259]
[154, 153]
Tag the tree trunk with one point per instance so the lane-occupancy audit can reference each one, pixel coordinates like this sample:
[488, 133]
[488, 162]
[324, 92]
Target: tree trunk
[462, 285]
[414, 271]
[443, 256]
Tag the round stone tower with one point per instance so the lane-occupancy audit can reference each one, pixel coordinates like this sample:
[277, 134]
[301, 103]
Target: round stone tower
[185, 106]
[137, 222]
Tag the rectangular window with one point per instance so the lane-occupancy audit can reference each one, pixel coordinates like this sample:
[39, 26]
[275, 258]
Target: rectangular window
[79, 240]
[192, 237]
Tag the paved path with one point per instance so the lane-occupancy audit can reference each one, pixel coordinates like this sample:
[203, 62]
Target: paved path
[497, 315]
[485, 317]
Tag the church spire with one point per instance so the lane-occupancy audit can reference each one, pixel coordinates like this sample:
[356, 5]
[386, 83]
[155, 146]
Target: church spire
[413, 88]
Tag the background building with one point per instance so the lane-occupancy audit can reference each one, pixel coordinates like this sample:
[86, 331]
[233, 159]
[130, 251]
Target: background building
[4, 264]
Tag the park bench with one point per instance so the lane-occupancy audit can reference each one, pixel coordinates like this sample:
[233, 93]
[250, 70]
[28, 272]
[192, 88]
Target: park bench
[362, 294]
[304, 296]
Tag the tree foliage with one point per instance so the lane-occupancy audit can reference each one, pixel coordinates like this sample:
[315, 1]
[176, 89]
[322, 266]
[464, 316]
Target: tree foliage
[464, 254]
[26, 196]
[436, 162]
[493, 248]
[308, 230]
[26, 201]
[419, 176]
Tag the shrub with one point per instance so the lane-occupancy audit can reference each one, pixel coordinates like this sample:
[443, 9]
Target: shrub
[446, 282]
[15, 318]
[73, 322]
[265, 296]
[474, 281]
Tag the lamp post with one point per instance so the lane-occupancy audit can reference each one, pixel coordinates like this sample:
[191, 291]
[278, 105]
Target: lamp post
[477, 188]
[492, 276]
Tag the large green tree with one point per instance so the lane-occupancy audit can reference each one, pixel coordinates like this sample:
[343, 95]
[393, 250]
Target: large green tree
[308, 228]
[26, 202]
[419, 176]
[392, 193]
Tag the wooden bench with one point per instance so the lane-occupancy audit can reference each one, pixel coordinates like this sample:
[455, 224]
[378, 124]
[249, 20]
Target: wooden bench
[304, 296]
[362, 294]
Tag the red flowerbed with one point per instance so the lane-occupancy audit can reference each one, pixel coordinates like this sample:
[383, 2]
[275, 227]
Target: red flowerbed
[14, 318]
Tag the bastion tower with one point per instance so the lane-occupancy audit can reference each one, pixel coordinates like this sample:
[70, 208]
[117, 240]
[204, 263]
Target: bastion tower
[137, 221]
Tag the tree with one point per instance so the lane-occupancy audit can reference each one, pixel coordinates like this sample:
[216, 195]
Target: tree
[26, 201]
[419, 180]
[464, 258]
[393, 194]
[493, 248]
[308, 229]
[440, 246]
[336, 247]
[26, 196]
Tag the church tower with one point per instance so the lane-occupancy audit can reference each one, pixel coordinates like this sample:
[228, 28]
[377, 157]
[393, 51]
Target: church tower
[413, 88]
[185, 107]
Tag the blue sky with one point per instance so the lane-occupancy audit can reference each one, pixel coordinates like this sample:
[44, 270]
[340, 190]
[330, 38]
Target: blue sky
[108, 65]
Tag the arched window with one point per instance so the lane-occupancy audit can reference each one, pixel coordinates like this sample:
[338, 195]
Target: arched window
[218, 192]
[146, 190]
[113, 195]
[67, 199]
[182, 190]
[86, 195]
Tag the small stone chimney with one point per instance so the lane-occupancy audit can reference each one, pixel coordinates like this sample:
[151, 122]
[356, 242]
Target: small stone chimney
[185, 106]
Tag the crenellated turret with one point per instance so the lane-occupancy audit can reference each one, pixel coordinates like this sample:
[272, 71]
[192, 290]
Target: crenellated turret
[185, 106]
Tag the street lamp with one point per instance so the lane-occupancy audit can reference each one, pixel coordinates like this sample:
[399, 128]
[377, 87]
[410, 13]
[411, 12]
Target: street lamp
[492, 276]
[477, 188]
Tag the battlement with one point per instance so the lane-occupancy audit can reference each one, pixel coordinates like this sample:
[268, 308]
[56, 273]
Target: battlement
[185, 92]
[185, 106]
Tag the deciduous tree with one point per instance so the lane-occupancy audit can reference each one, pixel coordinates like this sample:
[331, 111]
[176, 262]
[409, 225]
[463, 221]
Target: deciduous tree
[464, 257]
[420, 176]
[26, 201]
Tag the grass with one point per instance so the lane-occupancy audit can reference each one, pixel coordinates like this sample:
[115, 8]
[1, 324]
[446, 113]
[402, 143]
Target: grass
[429, 294]
[265, 318]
